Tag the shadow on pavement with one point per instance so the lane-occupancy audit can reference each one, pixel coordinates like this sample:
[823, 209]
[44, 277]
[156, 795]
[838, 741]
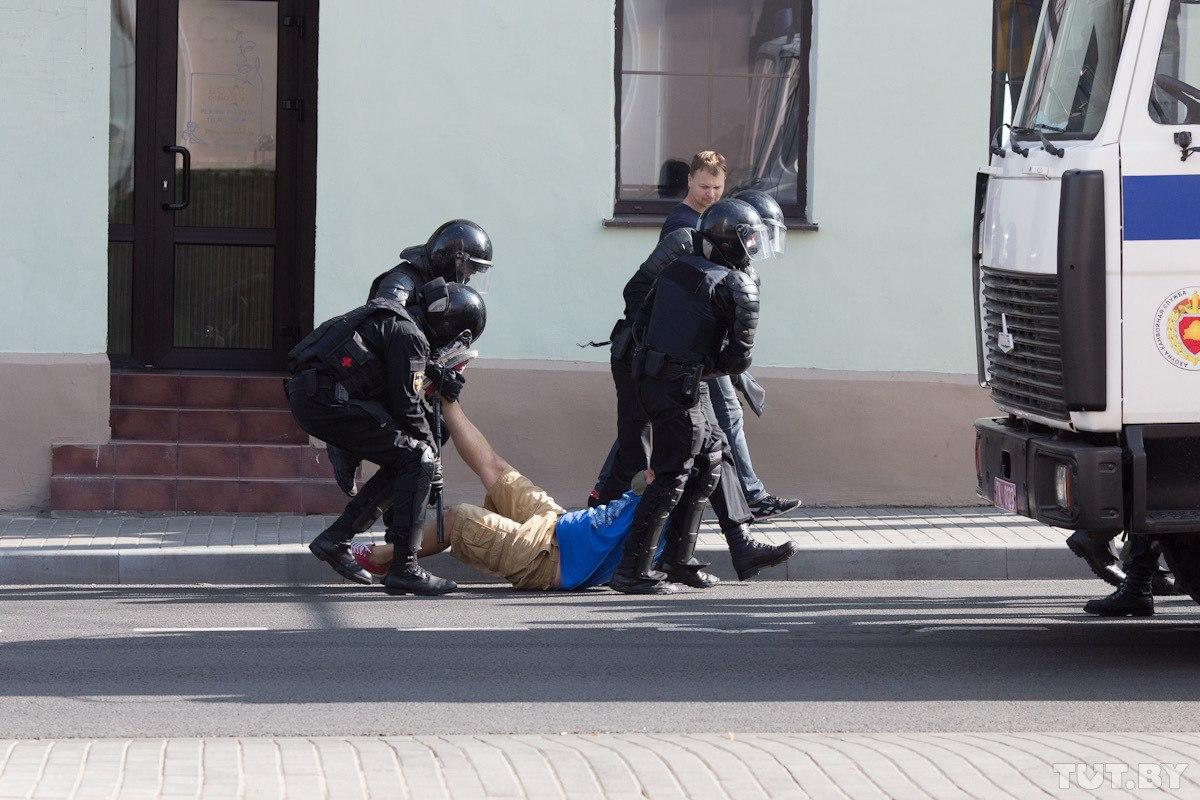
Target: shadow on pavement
[594, 646]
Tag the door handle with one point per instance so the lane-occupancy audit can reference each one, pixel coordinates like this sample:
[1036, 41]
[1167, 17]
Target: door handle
[178, 149]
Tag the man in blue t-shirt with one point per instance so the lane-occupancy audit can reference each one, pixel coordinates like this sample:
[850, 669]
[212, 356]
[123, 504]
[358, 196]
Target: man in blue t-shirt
[520, 533]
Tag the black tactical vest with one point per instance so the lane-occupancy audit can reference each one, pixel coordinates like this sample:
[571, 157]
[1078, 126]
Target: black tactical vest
[683, 323]
[336, 348]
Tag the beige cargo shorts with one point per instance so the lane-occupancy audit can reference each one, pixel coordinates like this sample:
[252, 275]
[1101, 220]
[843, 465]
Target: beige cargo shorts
[512, 535]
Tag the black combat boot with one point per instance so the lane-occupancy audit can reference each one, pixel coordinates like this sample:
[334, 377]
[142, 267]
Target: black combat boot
[750, 556]
[1101, 553]
[345, 469]
[406, 576]
[634, 574]
[332, 545]
[681, 566]
[1133, 598]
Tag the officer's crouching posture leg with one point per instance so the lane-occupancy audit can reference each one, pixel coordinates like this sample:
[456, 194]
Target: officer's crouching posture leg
[1134, 597]
[332, 544]
[414, 478]
[683, 525]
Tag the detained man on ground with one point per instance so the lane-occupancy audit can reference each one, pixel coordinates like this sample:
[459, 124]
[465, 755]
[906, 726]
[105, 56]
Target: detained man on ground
[521, 533]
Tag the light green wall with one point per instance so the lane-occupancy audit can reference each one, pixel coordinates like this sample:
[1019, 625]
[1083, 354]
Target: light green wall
[503, 112]
[54, 176]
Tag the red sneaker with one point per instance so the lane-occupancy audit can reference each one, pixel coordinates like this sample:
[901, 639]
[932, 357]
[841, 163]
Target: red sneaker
[362, 556]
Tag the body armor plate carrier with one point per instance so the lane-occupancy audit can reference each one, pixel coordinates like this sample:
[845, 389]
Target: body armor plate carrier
[336, 349]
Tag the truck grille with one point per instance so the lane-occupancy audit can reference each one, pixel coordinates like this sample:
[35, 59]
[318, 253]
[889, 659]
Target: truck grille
[1030, 376]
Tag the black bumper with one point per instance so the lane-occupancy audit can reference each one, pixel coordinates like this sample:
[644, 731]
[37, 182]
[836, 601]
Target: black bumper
[1028, 458]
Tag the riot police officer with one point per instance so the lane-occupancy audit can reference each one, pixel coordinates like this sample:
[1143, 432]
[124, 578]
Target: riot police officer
[631, 452]
[698, 321]
[459, 251]
[357, 382]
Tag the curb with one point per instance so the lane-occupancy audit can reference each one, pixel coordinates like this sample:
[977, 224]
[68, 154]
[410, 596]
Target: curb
[293, 565]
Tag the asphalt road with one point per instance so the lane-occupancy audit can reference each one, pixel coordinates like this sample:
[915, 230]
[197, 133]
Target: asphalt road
[766, 657]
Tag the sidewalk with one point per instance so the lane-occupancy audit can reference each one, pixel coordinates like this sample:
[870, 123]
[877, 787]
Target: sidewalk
[607, 766]
[851, 544]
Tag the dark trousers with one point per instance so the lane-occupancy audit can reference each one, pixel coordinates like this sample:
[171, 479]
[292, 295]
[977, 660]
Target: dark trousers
[685, 457]
[370, 433]
[633, 448]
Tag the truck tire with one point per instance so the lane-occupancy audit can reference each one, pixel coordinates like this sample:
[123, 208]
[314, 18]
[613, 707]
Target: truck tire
[1182, 552]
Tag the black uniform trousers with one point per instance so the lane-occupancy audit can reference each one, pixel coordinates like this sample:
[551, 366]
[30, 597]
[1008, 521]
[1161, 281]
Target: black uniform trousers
[685, 458]
[370, 433]
[634, 446]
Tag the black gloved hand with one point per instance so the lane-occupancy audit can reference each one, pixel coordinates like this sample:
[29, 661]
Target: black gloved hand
[445, 381]
[437, 484]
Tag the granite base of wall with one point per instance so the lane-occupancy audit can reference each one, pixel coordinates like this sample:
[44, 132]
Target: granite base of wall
[46, 399]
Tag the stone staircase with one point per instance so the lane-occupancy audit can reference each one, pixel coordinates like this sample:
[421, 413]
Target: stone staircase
[196, 441]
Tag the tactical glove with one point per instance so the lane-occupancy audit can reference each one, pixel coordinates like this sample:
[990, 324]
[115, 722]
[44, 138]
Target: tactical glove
[445, 381]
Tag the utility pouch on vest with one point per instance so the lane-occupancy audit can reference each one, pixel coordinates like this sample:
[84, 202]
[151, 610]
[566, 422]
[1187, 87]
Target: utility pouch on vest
[354, 366]
[622, 343]
[656, 362]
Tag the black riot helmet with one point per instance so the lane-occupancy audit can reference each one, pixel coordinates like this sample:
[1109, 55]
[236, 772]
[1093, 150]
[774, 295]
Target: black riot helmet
[450, 313]
[460, 251]
[767, 208]
[734, 233]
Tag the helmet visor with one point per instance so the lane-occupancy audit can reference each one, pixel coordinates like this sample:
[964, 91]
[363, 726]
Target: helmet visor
[477, 273]
[777, 234]
[756, 241]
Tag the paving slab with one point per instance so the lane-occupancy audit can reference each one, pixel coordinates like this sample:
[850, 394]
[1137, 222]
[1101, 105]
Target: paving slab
[648, 767]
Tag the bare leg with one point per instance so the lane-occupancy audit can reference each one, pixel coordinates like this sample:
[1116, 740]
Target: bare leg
[382, 554]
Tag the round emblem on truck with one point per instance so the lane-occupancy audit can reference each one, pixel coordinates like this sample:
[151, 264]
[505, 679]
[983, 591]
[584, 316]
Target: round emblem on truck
[1177, 329]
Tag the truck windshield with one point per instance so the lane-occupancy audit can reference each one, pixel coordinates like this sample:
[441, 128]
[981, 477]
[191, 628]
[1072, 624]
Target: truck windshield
[1074, 62]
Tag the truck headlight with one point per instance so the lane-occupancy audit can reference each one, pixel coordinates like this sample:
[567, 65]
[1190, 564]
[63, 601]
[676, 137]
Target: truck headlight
[1062, 485]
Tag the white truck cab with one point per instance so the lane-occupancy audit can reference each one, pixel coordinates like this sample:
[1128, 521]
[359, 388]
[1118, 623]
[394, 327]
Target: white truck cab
[1086, 264]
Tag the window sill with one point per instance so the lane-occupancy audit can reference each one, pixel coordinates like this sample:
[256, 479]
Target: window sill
[656, 221]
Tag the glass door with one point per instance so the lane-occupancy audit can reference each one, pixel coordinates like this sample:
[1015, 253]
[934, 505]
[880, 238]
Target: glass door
[227, 138]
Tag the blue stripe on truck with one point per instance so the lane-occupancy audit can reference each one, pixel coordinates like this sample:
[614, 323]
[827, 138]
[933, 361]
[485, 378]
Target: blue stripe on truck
[1159, 207]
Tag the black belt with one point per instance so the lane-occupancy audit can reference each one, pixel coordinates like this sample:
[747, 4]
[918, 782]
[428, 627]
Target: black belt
[668, 368]
[314, 380]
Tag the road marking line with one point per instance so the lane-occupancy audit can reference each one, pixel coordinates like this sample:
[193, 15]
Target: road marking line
[954, 628]
[197, 630]
[452, 629]
[687, 629]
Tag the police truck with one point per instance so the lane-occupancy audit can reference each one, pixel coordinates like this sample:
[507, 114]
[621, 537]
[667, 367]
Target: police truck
[1086, 275]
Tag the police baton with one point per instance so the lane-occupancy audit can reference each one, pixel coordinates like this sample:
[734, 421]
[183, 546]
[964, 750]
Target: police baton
[437, 438]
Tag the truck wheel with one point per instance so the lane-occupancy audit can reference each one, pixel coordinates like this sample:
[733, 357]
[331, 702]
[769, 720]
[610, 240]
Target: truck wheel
[1182, 552]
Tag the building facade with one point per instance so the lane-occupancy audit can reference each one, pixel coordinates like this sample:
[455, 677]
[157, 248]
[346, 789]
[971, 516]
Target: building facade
[200, 180]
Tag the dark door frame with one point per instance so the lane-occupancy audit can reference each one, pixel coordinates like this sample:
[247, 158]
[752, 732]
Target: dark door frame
[154, 237]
